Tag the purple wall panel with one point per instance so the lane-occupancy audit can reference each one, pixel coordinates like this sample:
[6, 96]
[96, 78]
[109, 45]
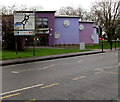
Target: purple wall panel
[86, 33]
[68, 35]
[51, 25]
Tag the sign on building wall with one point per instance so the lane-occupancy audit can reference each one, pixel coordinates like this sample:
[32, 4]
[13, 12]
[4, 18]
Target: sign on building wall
[29, 32]
[24, 23]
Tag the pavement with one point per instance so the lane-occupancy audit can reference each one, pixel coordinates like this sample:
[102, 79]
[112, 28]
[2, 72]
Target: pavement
[42, 58]
[49, 57]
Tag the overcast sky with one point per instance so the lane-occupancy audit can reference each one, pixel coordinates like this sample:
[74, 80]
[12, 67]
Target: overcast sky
[50, 4]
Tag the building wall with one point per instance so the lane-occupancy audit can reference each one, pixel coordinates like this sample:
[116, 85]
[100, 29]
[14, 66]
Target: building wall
[68, 34]
[51, 24]
[87, 32]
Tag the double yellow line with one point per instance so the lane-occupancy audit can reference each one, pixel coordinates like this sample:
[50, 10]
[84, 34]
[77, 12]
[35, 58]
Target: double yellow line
[15, 94]
[11, 95]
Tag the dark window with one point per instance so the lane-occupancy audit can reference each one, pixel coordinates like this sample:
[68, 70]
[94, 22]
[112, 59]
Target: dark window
[41, 23]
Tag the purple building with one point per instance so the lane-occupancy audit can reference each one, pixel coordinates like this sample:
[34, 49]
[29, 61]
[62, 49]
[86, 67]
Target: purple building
[66, 30]
[62, 30]
[45, 27]
[88, 33]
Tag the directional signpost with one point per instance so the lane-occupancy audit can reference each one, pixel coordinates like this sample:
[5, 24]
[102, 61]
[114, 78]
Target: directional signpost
[24, 25]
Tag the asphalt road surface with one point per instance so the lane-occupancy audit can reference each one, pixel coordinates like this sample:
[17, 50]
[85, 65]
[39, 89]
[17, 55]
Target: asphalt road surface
[88, 77]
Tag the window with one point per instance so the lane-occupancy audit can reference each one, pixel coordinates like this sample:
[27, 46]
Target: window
[41, 23]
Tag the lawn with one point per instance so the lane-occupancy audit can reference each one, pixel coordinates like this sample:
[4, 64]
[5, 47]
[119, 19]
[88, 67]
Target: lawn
[106, 45]
[38, 52]
[28, 52]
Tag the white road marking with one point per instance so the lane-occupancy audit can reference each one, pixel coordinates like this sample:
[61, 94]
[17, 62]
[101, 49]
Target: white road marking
[103, 68]
[18, 71]
[70, 62]
[79, 61]
[49, 66]
[98, 69]
[81, 77]
[15, 72]
[10, 66]
[45, 68]
[21, 89]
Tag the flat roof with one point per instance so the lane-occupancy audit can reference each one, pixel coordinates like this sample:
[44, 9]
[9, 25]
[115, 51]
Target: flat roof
[45, 11]
[86, 21]
[35, 11]
[66, 16]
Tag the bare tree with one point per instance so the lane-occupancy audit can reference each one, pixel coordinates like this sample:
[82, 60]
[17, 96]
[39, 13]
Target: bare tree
[8, 10]
[83, 15]
[8, 27]
[36, 8]
[107, 13]
[67, 11]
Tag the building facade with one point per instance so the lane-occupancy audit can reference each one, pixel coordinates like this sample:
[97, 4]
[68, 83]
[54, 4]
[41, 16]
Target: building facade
[51, 30]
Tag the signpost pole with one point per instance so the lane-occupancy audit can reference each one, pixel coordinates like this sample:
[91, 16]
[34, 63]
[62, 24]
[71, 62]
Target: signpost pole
[16, 45]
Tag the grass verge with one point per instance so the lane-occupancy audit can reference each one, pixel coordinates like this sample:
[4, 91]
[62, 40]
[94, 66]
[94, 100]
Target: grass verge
[106, 45]
[6, 54]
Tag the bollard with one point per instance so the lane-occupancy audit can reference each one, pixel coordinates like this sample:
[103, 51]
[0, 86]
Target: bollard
[82, 46]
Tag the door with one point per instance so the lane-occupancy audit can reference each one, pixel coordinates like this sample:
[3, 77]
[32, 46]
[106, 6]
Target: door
[43, 40]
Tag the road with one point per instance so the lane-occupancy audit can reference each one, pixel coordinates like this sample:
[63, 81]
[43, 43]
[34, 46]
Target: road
[88, 77]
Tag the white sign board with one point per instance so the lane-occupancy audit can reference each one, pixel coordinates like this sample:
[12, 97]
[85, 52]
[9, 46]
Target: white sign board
[24, 32]
[24, 21]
